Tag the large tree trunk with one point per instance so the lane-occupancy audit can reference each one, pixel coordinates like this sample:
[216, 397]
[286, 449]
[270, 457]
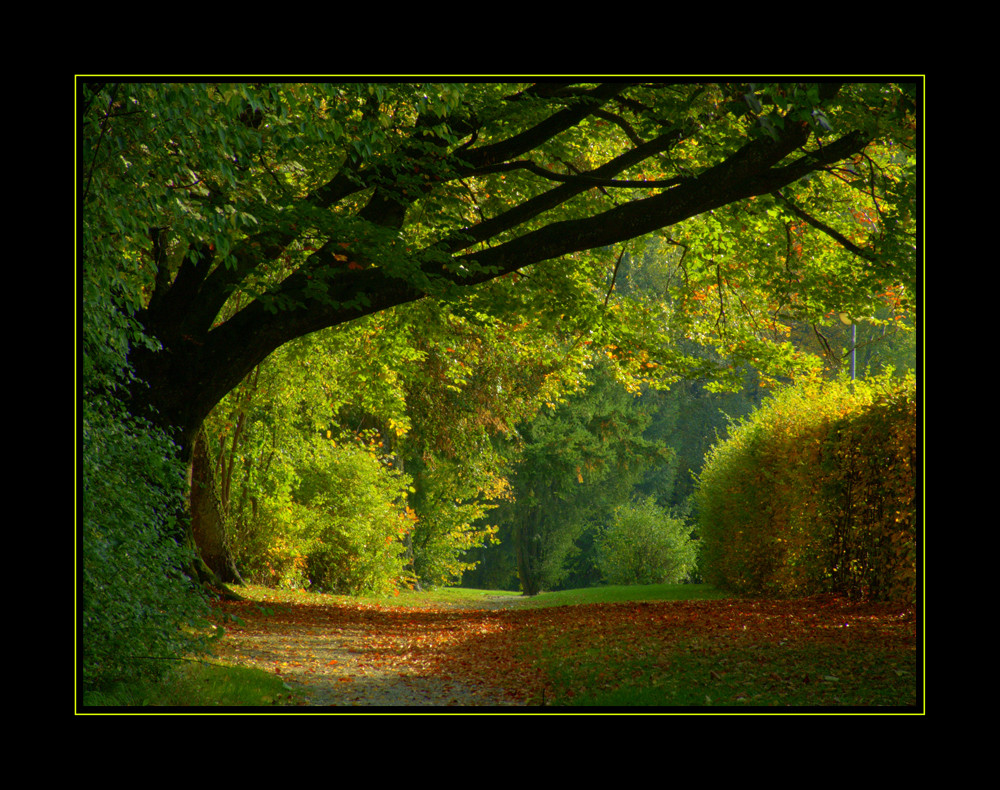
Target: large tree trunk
[207, 525]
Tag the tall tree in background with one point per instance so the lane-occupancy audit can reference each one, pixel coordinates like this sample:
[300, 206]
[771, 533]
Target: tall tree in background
[575, 463]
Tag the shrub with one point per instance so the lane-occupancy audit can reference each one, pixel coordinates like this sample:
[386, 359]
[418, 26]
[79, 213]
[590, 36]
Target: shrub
[139, 607]
[350, 521]
[869, 486]
[645, 545]
[261, 525]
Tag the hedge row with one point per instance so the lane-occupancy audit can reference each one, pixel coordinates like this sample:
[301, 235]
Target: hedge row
[816, 492]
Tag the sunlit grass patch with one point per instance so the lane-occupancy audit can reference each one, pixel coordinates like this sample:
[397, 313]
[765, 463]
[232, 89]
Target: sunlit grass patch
[200, 684]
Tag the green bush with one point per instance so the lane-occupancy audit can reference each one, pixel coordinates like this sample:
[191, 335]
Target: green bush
[139, 608]
[645, 545]
[261, 523]
[350, 521]
[815, 492]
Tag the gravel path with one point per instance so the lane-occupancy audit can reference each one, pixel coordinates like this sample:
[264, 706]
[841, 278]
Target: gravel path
[351, 657]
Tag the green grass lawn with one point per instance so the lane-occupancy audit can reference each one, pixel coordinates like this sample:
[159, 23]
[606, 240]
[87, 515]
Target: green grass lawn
[464, 597]
[763, 655]
[617, 594]
[200, 684]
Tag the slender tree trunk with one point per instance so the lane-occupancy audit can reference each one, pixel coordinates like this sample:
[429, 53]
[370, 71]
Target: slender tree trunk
[207, 525]
[526, 550]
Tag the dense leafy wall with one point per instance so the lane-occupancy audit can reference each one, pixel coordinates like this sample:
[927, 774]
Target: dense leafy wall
[816, 492]
[139, 609]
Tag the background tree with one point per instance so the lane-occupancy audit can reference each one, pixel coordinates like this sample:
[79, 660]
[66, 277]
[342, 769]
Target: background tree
[479, 378]
[574, 464]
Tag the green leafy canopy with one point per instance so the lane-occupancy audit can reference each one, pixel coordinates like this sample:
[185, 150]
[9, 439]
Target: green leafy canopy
[235, 217]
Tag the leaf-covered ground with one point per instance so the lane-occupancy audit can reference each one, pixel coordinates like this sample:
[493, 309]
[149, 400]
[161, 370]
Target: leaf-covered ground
[817, 652]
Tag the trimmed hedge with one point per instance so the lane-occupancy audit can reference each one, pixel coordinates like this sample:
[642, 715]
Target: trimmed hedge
[816, 492]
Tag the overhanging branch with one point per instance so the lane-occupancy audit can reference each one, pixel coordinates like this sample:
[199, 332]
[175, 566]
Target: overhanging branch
[584, 180]
[748, 172]
[834, 234]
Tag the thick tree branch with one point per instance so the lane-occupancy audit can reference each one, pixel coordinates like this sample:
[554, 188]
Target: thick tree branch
[534, 207]
[748, 172]
[584, 180]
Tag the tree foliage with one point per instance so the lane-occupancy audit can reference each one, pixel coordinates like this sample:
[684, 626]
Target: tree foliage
[137, 608]
[237, 217]
[308, 501]
[426, 392]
